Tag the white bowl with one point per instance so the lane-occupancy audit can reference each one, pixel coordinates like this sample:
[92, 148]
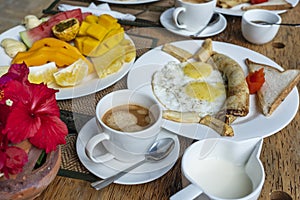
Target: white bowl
[258, 33]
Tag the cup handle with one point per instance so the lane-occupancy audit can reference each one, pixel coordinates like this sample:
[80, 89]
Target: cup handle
[92, 143]
[189, 192]
[176, 13]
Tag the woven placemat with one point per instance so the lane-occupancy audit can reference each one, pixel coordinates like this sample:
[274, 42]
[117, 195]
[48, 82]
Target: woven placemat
[70, 165]
[76, 112]
[87, 104]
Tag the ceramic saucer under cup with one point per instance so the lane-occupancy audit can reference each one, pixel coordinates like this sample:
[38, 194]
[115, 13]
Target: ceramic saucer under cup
[142, 174]
[167, 22]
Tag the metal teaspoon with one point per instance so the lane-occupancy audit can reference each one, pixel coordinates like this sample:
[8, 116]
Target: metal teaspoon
[270, 23]
[158, 150]
[213, 20]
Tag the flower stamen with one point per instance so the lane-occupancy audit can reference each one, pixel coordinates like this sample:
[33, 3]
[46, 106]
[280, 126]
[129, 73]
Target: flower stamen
[9, 102]
[1, 94]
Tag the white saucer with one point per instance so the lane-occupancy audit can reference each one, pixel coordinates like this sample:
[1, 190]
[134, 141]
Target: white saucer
[167, 21]
[142, 174]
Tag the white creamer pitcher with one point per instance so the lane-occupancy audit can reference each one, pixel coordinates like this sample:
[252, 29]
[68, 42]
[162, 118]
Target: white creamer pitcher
[222, 169]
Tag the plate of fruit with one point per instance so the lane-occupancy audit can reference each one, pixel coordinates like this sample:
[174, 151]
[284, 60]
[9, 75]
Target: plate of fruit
[76, 53]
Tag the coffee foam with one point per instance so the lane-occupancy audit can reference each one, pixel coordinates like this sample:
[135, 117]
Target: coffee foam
[124, 121]
[128, 118]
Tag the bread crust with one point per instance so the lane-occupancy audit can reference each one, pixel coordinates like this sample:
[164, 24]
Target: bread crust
[181, 54]
[268, 7]
[261, 99]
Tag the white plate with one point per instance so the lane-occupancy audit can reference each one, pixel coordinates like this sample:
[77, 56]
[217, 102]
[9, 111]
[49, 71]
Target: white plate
[128, 2]
[90, 84]
[253, 125]
[168, 22]
[142, 174]
[236, 10]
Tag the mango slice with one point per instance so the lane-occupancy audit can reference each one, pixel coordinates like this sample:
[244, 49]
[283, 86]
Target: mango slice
[105, 29]
[114, 58]
[96, 31]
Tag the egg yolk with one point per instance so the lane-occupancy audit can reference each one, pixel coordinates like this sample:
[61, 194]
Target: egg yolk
[204, 91]
[197, 70]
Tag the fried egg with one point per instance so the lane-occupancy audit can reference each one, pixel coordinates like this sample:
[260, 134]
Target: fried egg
[186, 87]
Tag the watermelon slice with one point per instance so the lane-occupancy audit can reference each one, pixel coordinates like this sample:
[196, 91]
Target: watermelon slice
[44, 29]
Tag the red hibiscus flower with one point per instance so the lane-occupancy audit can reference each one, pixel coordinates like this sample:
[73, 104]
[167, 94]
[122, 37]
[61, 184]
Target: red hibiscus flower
[27, 111]
[14, 160]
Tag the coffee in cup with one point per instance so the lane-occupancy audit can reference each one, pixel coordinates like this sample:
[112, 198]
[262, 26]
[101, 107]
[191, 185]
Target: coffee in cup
[128, 118]
[193, 15]
[129, 123]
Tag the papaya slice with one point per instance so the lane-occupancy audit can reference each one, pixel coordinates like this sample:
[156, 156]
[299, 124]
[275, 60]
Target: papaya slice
[61, 46]
[43, 56]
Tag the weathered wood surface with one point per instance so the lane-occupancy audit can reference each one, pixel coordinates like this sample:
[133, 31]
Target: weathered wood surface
[280, 153]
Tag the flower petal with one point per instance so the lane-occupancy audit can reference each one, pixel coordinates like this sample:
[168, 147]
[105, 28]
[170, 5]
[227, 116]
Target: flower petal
[17, 72]
[15, 91]
[5, 110]
[2, 160]
[43, 100]
[16, 158]
[21, 124]
[52, 132]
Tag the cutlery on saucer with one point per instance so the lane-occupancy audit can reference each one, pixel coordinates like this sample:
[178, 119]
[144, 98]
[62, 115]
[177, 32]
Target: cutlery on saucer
[158, 151]
[270, 23]
[213, 20]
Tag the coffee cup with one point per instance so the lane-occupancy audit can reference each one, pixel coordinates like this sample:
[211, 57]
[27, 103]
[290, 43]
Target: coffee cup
[222, 169]
[259, 33]
[129, 123]
[193, 15]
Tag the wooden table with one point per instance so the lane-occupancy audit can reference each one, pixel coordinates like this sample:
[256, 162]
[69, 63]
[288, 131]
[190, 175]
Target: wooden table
[281, 151]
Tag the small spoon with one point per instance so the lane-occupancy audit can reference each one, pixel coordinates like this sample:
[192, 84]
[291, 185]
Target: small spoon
[158, 150]
[213, 20]
[270, 23]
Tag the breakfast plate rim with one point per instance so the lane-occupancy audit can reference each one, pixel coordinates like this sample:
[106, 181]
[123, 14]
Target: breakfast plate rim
[91, 85]
[236, 11]
[167, 23]
[244, 128]
[136, 176]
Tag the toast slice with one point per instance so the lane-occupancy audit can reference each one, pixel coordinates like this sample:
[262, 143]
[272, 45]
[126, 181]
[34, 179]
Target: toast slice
[278, 84]
[270, 5]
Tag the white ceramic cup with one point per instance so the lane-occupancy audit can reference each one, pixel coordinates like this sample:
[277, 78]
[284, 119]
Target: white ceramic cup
[258, 33]
[193, 15]
[124, 146]
[222, 169]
